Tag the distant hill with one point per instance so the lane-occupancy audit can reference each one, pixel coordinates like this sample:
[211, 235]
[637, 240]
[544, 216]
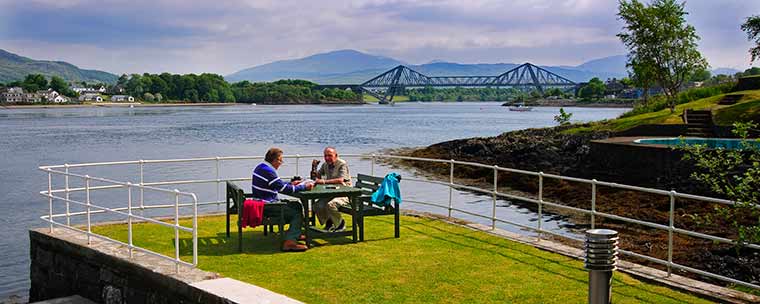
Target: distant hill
[610, 65]
[14, 67]
[354, 67]
[724, 71]
[315, 66]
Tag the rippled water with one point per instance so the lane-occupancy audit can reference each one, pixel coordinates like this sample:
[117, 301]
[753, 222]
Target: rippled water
[34, 137]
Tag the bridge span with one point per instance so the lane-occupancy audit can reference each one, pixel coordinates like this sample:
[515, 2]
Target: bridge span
[386, 85]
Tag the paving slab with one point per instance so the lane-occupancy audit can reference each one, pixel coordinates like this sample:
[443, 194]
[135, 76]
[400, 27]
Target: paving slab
[242, 293]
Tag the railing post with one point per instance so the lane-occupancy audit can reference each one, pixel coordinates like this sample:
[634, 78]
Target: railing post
[66, 181]
[451, 185]
[195, 230]
[50, 198]
[372, 165]
[540, 202]
[87, 191]
[495, 190]
[142, 184]
[218, 181]
[298, 161]
[593, 203]
[176, 230]
[670, 230]
[129, 218]
[601, 261]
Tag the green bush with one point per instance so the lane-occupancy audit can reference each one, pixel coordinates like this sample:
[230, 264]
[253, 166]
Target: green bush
[659, 102]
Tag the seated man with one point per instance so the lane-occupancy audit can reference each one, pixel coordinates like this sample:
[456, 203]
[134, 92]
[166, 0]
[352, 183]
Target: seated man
[266, 184]
[333, 171]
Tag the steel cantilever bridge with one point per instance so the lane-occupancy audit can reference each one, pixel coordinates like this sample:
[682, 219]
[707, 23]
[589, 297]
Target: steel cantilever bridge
[386, 85]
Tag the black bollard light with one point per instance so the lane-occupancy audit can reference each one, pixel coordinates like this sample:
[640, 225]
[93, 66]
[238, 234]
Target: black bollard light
[601, 261]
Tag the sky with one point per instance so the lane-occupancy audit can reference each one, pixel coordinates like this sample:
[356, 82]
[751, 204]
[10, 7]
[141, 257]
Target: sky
[191, 36]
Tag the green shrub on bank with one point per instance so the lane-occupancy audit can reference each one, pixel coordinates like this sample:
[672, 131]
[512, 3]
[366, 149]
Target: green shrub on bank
[659, 102]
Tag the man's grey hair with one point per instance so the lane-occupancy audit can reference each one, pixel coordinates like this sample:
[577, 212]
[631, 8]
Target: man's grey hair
[331, 148]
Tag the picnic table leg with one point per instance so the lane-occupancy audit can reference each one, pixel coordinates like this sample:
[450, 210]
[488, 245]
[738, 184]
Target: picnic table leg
[305, 203]
[354, 217]
[361, 219]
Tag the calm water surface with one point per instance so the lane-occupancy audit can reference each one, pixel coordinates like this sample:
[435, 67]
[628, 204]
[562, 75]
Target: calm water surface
[35, 137]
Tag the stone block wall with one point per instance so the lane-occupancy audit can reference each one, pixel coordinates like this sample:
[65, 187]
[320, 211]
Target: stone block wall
[64, 265]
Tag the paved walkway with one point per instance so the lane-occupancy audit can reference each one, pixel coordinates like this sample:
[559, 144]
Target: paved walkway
[242, 293]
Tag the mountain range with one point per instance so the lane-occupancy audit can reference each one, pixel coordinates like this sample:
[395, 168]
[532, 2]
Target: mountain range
[354, 67]
[14, 67]
[335, 67]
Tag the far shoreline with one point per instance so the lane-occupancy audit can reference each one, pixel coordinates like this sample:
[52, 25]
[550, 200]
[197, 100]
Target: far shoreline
[219, 104]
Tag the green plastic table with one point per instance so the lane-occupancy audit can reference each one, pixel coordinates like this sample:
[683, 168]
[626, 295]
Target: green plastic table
[328, 192]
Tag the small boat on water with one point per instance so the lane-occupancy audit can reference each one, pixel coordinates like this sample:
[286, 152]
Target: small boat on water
[520, 108]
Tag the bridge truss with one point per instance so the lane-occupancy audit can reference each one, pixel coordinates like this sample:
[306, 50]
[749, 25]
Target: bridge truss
[386, 85]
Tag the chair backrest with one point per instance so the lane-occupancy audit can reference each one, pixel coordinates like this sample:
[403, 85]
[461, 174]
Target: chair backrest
[368, 183]
[236, 196]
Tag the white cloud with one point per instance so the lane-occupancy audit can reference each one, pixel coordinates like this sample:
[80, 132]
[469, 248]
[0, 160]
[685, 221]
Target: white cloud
[225, 36]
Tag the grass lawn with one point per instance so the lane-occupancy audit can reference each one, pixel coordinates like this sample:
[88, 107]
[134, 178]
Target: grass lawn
[747, 108]
[432, 262]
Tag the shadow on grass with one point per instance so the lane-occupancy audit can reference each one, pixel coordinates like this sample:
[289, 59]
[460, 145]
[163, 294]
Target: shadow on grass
[254, 242]
[562, 261]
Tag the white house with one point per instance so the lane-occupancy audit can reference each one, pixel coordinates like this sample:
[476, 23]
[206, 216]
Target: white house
[102, 89]
[58, 99]
[90, 97]
[122, 98]
[12, 95]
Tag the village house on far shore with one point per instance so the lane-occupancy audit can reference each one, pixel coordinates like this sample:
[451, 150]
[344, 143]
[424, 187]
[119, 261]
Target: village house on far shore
[90, 97]
[122, 98]
[17, 95]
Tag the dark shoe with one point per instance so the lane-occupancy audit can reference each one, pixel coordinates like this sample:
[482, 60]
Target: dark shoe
[293, 246]
[341, 226]
[328, 225]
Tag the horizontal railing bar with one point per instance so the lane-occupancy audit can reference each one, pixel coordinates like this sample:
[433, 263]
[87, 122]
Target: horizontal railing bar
[124, 184]
[634, 221]
[515, 197]
[713, 238]
[120, 212]
[471, 213]
[105, 238]
[556, 205]
[409, 158]
[424, 203]
[128, 162]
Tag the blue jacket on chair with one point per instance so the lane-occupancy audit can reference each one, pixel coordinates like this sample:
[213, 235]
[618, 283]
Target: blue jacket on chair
[388, 190]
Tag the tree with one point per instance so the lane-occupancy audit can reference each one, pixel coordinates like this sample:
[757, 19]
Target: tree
[734, 174]
[594, 89]
[563, 118]
[752, 27]
[661, 44]
[34, 82]
[700, 75]
[59, 85]
[149, 97]
[158, 97]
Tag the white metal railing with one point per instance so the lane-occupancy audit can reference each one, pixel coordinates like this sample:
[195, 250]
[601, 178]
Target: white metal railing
[539, 201]
[113, 184]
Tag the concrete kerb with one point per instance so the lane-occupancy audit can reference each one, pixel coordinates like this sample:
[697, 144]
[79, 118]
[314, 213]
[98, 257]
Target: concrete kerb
[649, 274]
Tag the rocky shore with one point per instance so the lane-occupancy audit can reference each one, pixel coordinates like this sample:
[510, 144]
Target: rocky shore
[549, 150]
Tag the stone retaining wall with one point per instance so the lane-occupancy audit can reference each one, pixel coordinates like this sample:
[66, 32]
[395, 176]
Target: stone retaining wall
[63, 265]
